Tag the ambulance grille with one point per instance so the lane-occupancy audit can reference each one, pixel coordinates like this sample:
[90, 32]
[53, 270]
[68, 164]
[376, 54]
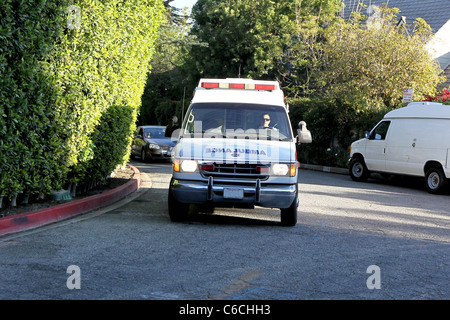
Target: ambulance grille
[226, 170]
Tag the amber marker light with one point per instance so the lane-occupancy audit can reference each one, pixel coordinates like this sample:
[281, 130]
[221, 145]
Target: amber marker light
[176, 165]
[293, 170]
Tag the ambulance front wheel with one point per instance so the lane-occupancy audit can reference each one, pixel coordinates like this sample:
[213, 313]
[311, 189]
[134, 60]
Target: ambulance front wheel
[177, 211]
[289, 215]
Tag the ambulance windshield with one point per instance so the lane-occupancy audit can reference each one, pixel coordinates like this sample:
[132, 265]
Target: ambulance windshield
[237, 120]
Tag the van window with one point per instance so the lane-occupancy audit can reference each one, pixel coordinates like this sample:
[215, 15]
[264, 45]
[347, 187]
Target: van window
[380, 131]
[237, 120]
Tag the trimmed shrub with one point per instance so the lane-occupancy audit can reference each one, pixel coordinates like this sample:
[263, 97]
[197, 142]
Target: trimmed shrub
[71, 80]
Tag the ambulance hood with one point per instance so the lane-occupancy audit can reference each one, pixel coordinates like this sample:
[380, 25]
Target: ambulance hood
[235, 150]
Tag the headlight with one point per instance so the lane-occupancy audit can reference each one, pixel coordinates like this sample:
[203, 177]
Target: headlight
[154, 146]
[283, 169]
[280, 169]
[185, 165]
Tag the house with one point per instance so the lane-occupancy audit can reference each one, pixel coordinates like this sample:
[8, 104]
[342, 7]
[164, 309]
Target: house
[435, 12]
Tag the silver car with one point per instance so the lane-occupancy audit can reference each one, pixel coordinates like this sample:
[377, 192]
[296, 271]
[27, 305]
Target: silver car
[150, 143]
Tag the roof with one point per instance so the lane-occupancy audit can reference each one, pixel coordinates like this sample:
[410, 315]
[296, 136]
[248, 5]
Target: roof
[430, 110]
[244, 81]
[434, 12]
[250, 94]
[439, 45]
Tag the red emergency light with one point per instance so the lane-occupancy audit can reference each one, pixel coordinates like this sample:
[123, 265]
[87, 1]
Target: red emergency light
[225, 85]
[237, 86]
[210, 85]
[265, 87]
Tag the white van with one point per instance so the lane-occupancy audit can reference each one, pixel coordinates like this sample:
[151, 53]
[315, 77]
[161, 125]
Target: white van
[413, 140]
[236, 148]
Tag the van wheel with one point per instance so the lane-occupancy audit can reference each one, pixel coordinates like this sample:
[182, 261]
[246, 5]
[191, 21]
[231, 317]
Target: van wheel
[289, 215]
[178, 211]
[358, 170]
[435, 180]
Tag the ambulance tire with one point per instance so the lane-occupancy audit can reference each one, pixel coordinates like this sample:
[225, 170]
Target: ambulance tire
[289, 215]
[177, 211]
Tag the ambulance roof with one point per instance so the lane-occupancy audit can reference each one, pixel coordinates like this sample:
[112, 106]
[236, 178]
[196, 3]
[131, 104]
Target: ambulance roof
[430, 110]
[240, 91]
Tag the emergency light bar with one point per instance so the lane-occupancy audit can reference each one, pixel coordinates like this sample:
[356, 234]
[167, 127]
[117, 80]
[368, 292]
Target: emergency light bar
[248, 86]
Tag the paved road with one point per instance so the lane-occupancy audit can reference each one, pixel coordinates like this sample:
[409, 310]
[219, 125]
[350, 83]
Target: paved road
[374, 240]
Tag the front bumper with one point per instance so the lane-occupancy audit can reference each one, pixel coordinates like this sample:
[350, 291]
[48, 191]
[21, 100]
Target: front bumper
[161, 153]
[239, 194]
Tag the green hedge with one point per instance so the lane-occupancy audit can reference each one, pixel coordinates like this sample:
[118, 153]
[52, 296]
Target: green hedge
[67, 90]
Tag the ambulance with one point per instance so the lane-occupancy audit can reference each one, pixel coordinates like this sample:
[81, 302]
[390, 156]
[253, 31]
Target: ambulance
[236, 148]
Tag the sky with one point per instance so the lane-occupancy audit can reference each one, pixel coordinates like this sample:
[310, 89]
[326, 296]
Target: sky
[183, 3]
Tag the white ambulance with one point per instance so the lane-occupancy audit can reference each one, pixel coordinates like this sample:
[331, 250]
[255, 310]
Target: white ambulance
[413, 140]
[236, 148]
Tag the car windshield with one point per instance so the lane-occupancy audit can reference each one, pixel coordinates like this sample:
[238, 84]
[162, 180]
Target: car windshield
[154, 133]
[237, 120]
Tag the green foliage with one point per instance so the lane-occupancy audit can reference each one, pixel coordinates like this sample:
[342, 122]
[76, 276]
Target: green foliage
[245, 37]
[112, 140]
[69, 97]
[170, 79]
[30, 160]
[305, 51]
[377, 61]
[334, 125]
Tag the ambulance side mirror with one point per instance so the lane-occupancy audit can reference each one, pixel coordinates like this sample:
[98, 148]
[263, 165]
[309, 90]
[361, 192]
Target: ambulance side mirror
[176, 135]
[304, 135]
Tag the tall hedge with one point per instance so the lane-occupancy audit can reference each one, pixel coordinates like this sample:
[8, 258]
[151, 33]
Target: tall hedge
[29, 144]
[71, 78]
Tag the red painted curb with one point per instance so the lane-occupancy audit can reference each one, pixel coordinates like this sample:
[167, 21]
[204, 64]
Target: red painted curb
[56, 213]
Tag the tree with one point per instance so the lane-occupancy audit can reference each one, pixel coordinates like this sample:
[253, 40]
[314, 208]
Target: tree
[245, 37]
[165, 86]
[304, 54]
[377, 60]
